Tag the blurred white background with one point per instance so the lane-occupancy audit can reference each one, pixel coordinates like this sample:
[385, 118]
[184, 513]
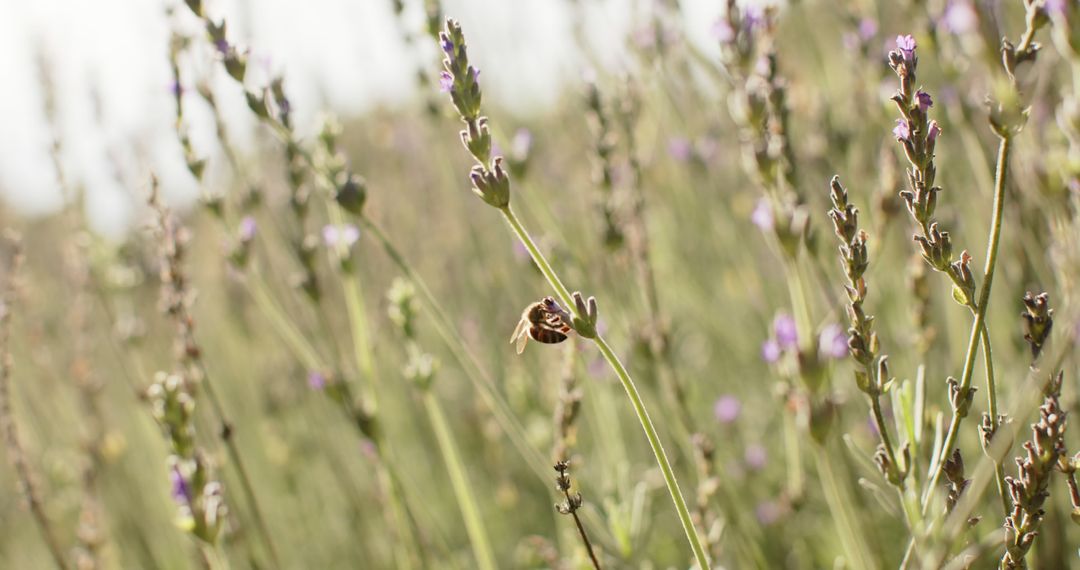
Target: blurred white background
[108, 61]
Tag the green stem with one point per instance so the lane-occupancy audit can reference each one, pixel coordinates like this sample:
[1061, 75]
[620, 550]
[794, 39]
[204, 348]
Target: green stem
[474, 522]
[840, 501]
[354, 305]
[793, 448]
[214, 558]
[886, 439]
[289, 333]
[229, 437]
[399, 516]
[978, 326]
[992, 411]
[480, 380]
[628, 385]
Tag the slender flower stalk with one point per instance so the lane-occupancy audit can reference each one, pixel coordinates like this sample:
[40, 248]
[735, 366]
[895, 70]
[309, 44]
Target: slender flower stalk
[570, 507]
[567, 407]
[1029, 489]
[918, 136]
[656, 335]
[16, 450]
[747, 37]
[872, 377]
[420, 371]
[1007, 118]
[362, 413]
[491, 183]
[192, 374]
[351, 198]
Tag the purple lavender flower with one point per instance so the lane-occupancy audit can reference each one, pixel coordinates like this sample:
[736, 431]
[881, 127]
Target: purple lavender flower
[959, 17]
[723, 32]
[222, 46]
[446, 45]
[247, 228]
[181, 491]
[175, 88]
[868, 28]
[832, 342]
[762, 216]
[680, 148]
[753, 18]
[446, 82]
[787, 335]
[345, 235]
[522, 143]
[924, 100]
[316, 380]
[727, 409]
[770, 351]
[906, 45]
[902, 131]
[756, 457]
[933, 131]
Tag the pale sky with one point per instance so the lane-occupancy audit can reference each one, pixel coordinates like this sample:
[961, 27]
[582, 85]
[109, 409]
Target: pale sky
[109, 62]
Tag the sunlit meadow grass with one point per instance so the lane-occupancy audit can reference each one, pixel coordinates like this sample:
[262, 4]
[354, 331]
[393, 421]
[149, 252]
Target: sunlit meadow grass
[763, 368]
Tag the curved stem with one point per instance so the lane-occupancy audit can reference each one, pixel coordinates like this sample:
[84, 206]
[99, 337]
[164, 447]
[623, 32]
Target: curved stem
[228, 436]
[886, 439]
[840, 504]
[992, 411]
[628, 385]
[474, 521]
[300, 346]
[480, 380]
[977, 327]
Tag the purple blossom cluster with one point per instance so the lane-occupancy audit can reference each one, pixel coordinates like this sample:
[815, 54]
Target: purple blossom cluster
[832, 342]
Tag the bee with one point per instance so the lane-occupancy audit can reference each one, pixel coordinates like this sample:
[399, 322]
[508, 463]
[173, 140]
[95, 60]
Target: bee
[545, 321]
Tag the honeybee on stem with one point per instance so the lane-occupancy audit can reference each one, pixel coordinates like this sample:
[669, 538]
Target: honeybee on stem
[544, 321]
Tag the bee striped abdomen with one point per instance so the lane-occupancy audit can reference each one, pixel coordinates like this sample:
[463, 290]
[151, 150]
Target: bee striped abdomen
[546, 335]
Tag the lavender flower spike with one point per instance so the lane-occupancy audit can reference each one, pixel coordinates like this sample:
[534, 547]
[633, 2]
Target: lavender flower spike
[787, 336]
[902, 130]
[181, 491]
[727, 409]
[833, 342]
[906, 45]
[924, 100]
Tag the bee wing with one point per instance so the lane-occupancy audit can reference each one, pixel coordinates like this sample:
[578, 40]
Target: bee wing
[519, 331]
[522, 340]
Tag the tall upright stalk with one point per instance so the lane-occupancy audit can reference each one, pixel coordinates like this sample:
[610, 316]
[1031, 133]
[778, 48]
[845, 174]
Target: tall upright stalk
[627, 383]
[12, 438]
[491, 183]
[964, 384]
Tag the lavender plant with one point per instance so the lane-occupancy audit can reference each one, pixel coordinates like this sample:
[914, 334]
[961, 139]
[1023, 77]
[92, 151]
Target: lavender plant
[16, 449]
[570, 507]
[290, 242]
[872, 376]
[202, 509]
[491, 183]
[350, 196]
[420, 371]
